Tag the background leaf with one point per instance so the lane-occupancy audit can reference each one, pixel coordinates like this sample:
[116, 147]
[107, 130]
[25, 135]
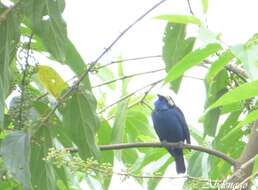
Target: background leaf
[15, 150]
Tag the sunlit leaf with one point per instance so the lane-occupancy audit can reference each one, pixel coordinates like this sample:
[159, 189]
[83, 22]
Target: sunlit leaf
[51, 80]
[205, 5]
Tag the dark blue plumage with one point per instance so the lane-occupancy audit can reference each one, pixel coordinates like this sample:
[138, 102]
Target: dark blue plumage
[170, 125]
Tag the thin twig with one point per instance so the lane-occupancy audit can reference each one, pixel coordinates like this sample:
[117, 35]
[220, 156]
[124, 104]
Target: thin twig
[129, 95]
[126, 60]
[190, 7]
[76, 84]
[161, 145]
[128, 76]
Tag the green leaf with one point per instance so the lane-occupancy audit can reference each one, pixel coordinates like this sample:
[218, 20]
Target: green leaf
[81, 122]
[191, 60]
[181, 19]
[242, 92]
[15, 150]
[207, 36]
[218, 65]
[176, 46]
[42, 172]
[9, 37]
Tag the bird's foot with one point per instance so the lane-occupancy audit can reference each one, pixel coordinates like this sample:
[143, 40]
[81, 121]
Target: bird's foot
[181, 144]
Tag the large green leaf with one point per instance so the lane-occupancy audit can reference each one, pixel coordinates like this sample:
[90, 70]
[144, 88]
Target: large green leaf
[191, 60]
[242, 92]
[45, 19]
[176, 46]
[181, 19]
[9, 36]
[15, 150]
[81, 122]
[215, 90]
[42, 172]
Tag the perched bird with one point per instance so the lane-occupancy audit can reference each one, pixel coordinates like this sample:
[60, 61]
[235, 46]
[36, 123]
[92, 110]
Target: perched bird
[170, 125]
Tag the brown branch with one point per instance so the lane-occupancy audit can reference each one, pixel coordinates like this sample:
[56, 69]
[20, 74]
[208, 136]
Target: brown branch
[161, 145]
[126, 60]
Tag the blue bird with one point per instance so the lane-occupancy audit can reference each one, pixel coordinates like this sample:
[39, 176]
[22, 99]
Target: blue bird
[170, 126]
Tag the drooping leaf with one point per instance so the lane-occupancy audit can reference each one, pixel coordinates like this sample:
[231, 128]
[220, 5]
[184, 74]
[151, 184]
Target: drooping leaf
[51, 80]
[9, 37]
[81, 122]
[180, 19]
[176, 46]
[15, 150]
[242, 92]
[191, 60]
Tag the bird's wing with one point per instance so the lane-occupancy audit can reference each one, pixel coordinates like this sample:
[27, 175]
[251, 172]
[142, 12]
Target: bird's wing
[184, 124]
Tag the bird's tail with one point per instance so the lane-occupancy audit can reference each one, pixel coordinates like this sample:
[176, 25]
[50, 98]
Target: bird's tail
[179, 159]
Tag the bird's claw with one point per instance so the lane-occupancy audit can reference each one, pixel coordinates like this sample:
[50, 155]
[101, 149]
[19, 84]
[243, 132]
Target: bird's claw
[164, 143]
[181, 144]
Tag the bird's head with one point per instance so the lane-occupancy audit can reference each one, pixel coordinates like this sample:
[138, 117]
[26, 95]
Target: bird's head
[164, 102]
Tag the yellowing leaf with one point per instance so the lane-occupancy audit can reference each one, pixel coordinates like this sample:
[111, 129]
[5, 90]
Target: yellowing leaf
[51, 80]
